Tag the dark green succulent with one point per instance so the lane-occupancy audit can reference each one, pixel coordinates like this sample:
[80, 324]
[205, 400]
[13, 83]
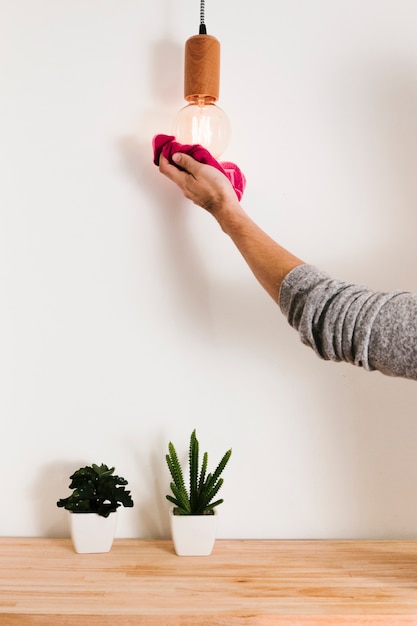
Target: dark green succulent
[203, 487]
[96, 490]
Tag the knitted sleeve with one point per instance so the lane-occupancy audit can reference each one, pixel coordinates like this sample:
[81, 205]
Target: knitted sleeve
[345, 322]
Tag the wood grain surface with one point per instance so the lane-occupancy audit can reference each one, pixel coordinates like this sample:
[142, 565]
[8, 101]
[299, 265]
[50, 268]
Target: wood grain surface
[43, 582]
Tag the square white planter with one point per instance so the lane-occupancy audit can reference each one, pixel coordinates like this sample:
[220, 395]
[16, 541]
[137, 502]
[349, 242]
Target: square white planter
[91, 532]
[193, 535]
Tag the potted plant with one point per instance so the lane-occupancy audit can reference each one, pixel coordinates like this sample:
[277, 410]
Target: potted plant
[193, 515]
[92, 506]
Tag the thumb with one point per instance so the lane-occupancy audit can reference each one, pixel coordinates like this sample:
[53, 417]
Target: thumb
[184, 161]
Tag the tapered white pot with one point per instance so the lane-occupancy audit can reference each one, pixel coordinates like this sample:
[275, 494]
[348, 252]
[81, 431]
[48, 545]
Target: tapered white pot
[91, 532]
[193, 535]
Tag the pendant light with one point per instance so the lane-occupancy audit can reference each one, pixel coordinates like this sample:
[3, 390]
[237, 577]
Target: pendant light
[201, 121]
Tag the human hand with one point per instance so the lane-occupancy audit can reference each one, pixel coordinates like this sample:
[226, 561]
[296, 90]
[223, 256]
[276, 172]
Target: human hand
[203, 184]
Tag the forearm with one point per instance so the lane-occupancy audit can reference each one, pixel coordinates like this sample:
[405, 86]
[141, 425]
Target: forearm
[268, 261]
[208, 188]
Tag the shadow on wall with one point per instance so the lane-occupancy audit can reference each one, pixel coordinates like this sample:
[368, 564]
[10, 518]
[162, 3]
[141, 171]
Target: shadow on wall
[378, 124]
[183, 274]
[166, 75]
[152, 507]
[395, 96]
[51, 485]
[185, 279]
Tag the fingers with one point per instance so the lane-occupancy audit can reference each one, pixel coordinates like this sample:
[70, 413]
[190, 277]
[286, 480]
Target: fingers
[186, 162]
[169, 170]
[184, 173]
[172, 171]
[183, 162]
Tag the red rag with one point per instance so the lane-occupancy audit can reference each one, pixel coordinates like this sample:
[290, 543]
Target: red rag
[166, 145]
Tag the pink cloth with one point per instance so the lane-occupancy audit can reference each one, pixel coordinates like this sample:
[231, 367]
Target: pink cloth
[166, 145]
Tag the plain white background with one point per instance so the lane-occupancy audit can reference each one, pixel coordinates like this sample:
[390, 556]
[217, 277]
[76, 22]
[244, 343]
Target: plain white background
[127, 318]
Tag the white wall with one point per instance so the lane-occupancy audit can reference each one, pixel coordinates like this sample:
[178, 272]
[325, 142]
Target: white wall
[127, 318]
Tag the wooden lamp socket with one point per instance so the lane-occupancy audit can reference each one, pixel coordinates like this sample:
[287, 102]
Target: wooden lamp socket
[202, 69]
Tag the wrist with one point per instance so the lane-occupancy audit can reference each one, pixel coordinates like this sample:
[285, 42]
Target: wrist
[230, 216]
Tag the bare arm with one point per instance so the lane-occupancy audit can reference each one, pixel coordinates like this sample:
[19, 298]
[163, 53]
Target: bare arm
[210, 189]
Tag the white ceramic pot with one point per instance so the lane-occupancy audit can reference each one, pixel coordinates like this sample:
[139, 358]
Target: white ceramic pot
[91, 532]
[193, 535]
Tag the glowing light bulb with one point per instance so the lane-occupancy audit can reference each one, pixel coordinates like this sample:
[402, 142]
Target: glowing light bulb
[204, 123]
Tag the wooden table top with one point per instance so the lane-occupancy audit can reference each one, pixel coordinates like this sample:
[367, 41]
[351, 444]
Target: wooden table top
[43, 582]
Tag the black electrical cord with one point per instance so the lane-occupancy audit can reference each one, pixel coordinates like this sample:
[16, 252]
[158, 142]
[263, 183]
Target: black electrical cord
[202, 30]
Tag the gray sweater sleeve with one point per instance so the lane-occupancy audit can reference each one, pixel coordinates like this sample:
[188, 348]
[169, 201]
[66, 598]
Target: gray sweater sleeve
[345, 322]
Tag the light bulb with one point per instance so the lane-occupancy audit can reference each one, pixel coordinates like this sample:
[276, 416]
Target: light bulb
[204, 123]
